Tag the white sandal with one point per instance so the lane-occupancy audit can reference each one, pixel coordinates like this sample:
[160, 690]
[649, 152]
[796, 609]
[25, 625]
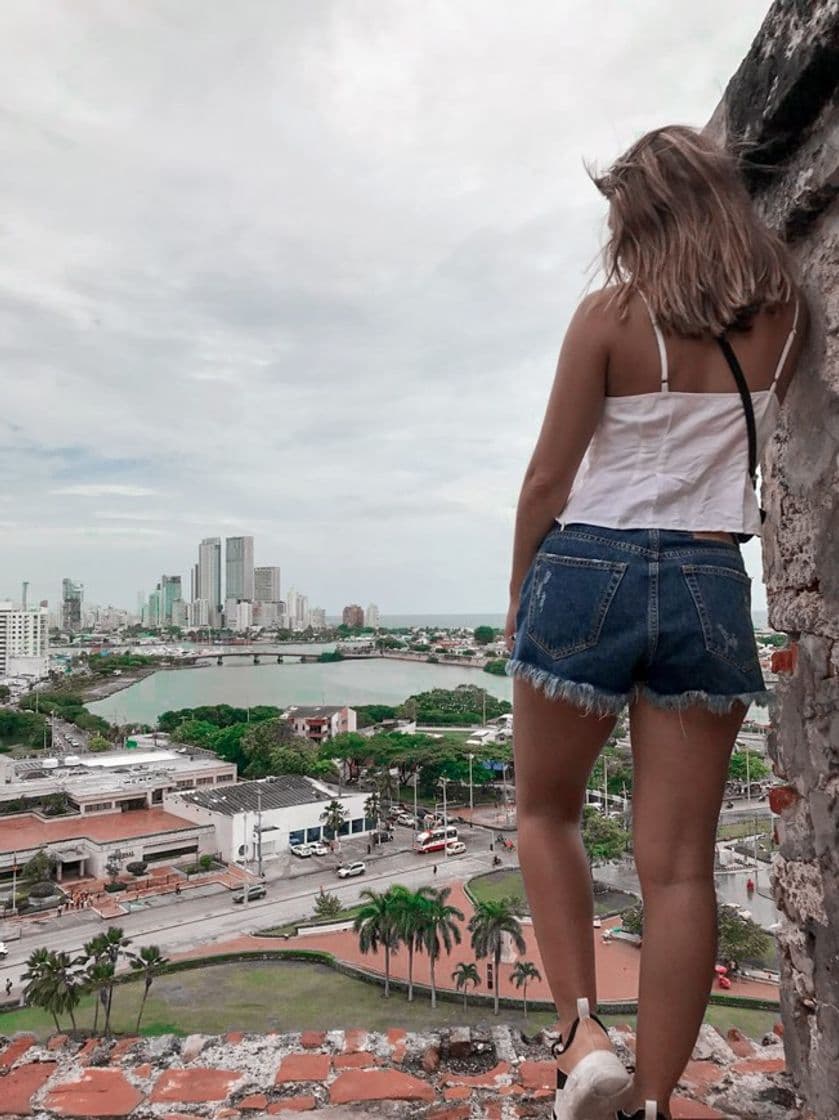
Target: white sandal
[592, 1088]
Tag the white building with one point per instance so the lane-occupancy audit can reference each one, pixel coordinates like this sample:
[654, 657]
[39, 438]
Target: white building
[321, 722]
[289, 808]
[24, 641]
[238, 615]
[317, 618]
[266, 583]
[238, 557]
[208, 578]
[198, 613]
[371, 616]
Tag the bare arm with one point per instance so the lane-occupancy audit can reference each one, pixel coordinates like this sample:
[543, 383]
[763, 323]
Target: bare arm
[574, 408]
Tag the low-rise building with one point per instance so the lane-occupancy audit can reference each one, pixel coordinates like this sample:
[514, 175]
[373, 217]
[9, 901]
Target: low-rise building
[322, 722]
[278, 811]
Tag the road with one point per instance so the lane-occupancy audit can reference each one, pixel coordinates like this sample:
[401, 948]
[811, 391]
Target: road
[178, 925]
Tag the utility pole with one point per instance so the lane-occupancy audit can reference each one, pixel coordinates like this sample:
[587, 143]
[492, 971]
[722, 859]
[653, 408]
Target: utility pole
[444, 782]
[471, 801]
[605, 785]
[259, 827]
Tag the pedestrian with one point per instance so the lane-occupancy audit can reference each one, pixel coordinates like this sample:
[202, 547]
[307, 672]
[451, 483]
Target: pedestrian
[628, 586]
[8, 985]
[369, 849]
[434, 869]
[491, 846]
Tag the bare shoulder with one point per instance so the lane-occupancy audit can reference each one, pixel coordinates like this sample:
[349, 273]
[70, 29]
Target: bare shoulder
[598, 311]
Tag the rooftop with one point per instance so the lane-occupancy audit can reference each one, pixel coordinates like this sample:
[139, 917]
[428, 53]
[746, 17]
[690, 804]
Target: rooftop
[307, 712]
[21, 833]
[267, 793]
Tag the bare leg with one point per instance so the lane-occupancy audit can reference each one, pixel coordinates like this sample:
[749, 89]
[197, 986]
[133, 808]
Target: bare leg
[555, 747]
[681, 765]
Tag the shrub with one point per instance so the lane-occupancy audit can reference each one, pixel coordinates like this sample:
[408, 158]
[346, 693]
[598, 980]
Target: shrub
[206, 862]
[138, 868]
[43, 890]
[116, 885]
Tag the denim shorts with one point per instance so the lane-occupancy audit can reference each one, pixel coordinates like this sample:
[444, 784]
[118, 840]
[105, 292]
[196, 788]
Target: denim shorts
[607, 615]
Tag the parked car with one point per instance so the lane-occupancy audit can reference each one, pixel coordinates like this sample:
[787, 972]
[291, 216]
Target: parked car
[346, 870]
[255, 890]
[455, 847]
[380, 835]
[301, 850]
[405, 818]
[319, 848]
[4, 950]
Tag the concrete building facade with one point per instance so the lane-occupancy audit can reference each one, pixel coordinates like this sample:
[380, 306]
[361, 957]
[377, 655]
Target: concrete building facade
[24, 642]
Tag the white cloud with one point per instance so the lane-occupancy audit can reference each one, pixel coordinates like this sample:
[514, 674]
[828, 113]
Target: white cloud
[303, 270]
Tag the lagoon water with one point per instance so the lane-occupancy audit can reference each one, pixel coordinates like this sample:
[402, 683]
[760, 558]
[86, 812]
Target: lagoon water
[242, 685]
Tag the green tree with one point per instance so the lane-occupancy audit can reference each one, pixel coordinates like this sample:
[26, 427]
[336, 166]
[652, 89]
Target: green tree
[99, 743]
[5, 693]
[464, 975]
[39, 868]
[523, 972]
[54, 983]
[739, 938]
[484, 634]
[438, 929]
[410, 910]
[114, 945]
[377, 926]
[150, 962]
[99, 971]
[746, 765]
[491, 920]
[327, 905]
[333, 816]
[603, 837]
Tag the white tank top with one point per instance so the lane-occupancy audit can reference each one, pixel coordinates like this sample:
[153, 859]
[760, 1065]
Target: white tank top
[674, 460]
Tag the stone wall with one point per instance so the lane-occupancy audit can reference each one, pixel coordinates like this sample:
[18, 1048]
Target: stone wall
[783, 102]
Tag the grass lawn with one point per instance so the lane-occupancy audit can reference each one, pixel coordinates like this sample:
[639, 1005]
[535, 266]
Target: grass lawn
[292, 927]
[293, 995]
[738, 829]
[500, 884]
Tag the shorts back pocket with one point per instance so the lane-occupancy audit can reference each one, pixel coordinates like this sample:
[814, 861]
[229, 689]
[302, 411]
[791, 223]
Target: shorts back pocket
[722, 597]
[569, 599]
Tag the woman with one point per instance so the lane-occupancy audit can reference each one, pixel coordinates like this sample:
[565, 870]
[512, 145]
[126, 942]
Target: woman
[628, 588]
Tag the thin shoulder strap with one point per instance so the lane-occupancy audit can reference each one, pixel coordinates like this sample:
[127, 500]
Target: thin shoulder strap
[746, 398]
[662, 351]
[785, 351]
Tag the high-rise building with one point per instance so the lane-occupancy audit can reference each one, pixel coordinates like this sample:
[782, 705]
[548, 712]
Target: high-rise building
[238, 615]
[170, 592]
[238, 568]
[153, 610]
[291, 608]
[208, 577]
[353, 615]
[72, 597]
[266, 584]
[24, 641]
[371, 616]
[198, 613]
[179, 614]
[318, 618]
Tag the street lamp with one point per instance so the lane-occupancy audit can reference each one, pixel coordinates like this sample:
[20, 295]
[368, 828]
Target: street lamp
[506, 795]
[471, 803]
[444, 782]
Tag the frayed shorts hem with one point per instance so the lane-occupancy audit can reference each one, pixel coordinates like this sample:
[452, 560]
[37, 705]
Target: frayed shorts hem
[600, 702]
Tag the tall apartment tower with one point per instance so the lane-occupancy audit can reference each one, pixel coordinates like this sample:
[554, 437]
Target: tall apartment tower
[208, 578]
[170, 593]
[266, 583]
[72, 597]
[238, 568]
[24, 641]
[353, 615]
[371, 616]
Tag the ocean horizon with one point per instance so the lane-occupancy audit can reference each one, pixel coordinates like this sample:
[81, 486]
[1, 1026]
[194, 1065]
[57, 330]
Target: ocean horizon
[478, 618]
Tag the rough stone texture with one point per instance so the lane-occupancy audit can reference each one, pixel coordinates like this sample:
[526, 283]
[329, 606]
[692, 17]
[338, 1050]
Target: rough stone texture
[500, 1075]
[783, 103]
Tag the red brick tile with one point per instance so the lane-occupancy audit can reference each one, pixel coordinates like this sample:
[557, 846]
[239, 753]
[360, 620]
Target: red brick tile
[396, 1034]
[703, 1074]
[312, 1040]
[378, 1085]
[778, 1029]
[292, 1104]
[538, 1075]
[303, 1067]
[255, 1100]
[355, 1061]
[740, 1043]
[683, 1108]
[759, 1065]
[456, 1112]
[194, 1085]
[457, 1093]
[100, 1092]
[227, 1114]
[19, 1085]
[83, 1056]
[354, 1039]
[479, 1080]
[142, 1070]
[15, 1050]
[492, 1110]
[121, 1048]
[56, 1041]
[234, 1037]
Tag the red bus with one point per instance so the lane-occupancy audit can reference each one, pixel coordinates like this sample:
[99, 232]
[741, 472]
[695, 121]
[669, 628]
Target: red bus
[435, 840]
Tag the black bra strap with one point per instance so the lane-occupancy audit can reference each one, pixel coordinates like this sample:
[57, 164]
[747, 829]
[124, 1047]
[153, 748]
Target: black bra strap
[746, 398]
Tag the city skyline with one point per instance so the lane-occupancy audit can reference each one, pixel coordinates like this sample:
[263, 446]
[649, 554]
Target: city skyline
[320, 300]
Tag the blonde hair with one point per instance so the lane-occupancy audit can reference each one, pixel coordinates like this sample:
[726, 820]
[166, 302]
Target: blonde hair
[684, 232]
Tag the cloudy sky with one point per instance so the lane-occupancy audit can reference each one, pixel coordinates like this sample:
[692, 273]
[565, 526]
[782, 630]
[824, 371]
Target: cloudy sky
[302, 270]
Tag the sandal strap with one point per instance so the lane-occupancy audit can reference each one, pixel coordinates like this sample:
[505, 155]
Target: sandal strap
[560, 1046]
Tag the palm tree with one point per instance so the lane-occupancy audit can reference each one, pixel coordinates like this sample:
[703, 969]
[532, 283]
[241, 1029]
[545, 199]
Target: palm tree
[98, 971]
[377, 924]
[333, 817]
[373, 808]
[493, 918]
[410, 909]
[464, 975]
[387, 784]
[53, 983]
[438, 925]
[151, 962]
[113, 944]
[524, 971]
